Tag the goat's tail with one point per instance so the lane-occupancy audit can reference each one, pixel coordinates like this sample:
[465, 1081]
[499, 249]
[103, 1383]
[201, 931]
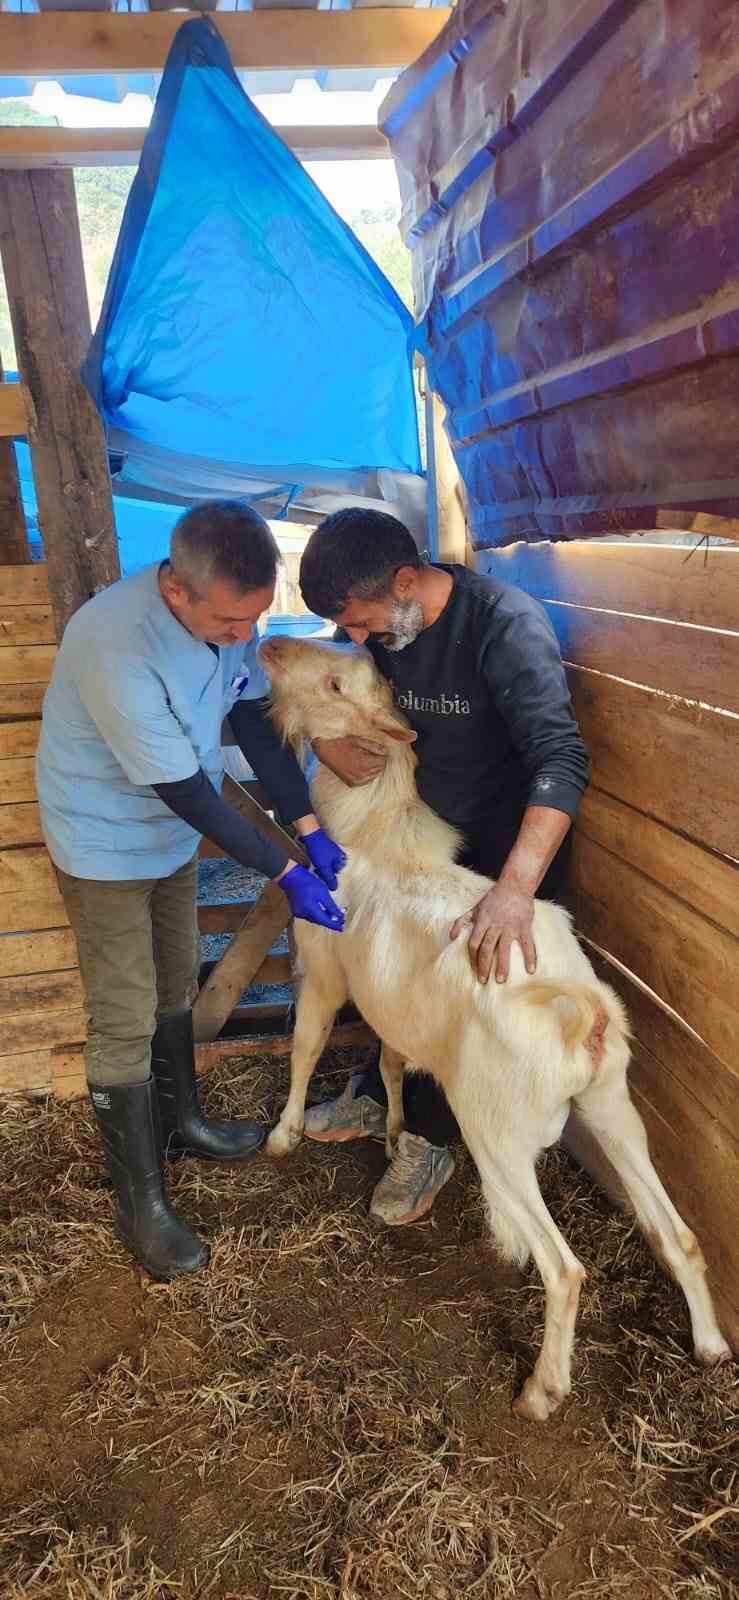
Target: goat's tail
[586, 1017]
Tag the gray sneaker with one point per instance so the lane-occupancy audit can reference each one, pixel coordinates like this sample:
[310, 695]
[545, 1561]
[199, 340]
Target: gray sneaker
[346, 1118]
[412, 1181]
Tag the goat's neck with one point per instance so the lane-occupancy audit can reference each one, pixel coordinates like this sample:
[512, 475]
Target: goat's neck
[386, 819]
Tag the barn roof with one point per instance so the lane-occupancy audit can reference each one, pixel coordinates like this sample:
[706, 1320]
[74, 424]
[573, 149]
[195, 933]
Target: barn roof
[114, 87]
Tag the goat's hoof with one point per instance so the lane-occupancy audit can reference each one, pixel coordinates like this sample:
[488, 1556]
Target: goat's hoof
[535, 1403]
[713, 1355]
[281, 1143]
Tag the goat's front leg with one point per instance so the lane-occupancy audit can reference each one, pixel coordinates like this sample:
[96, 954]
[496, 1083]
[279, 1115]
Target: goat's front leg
[391, 1072]
[318, 1003]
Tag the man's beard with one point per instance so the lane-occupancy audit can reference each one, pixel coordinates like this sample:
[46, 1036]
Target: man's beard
[406, 622]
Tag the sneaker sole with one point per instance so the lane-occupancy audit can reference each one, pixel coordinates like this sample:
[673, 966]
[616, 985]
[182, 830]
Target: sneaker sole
[342, 1135]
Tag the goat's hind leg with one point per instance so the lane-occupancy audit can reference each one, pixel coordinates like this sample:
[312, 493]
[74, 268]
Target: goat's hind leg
[613, 1121]
[318, 1003]
[522, 1225]
[392, 1066]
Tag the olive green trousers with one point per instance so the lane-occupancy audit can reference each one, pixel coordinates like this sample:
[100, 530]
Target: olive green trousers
[139, 953]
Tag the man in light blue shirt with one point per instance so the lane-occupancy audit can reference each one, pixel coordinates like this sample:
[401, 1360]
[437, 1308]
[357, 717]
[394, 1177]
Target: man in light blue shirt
[128, 772]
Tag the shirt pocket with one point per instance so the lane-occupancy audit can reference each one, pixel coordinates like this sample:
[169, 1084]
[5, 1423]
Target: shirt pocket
[236, 689]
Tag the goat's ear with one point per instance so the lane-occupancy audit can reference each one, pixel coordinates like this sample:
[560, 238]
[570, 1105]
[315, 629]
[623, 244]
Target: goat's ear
[394, 730]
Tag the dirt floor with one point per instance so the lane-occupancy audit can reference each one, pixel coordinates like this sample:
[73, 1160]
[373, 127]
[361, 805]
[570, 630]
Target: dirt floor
[326, 1411]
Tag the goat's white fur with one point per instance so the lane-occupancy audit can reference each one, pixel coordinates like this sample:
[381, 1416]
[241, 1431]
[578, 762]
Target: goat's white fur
[513, 1059]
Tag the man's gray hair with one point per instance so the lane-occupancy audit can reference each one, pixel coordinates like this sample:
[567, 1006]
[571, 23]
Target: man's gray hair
[226, 540]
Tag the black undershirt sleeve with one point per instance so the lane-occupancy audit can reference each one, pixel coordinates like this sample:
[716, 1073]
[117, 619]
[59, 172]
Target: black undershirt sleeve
[274, 762]
[197, 802]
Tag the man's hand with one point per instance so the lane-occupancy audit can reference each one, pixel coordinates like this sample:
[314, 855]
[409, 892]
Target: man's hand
[505, 914]
[309, 898]
[355, 761]
[326, 856]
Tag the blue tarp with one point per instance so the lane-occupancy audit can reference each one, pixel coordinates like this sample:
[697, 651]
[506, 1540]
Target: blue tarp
[244, 326]
[143, 527]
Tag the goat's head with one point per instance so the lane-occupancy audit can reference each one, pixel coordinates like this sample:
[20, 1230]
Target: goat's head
[330, 691]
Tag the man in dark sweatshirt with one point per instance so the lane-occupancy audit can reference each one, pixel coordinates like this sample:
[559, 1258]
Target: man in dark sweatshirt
[475, 666]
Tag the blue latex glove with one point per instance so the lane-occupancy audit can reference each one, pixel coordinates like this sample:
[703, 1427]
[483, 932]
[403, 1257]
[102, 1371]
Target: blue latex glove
[309, 898]
[327, 858]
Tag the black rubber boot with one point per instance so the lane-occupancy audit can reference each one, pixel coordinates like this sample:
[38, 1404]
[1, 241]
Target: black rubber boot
[159, 1239]
[185, 1131]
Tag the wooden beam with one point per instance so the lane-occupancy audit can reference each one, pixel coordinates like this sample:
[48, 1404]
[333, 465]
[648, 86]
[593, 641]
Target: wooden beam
[20, 824]
[685, 960]
[274, 970]
[52, 950]
[676, 761]
[17, 781]
[13, 418]
[701, 522]
[234, 973]
[29, 892]
[23, 148]
[346, 1035]
[24, 585]
[20, 700]
[225, 917]
[13, 537]
[451, 520]
[27, 663]
[24, 625]
[33, 1073]
[677, 582]
[19, 738]
[60, 1071]
[238, 796]
[707, 882]
[273, 40]
[694, 663]
[44, 276]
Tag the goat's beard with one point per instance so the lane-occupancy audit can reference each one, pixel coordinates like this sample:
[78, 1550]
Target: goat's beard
[406, 622]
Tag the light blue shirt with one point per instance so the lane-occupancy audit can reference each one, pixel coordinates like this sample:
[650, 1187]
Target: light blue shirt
[133, 700]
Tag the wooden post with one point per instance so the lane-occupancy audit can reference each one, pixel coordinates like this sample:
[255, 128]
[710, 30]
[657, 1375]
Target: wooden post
[237, 969]
[13, 542]
[44, 276]
[450, 513]
[247, 961]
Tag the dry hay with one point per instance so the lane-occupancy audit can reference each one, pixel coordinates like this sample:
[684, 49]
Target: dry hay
[325, 1413]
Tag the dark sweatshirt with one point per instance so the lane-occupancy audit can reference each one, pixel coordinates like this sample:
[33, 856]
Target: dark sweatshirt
[485, 689]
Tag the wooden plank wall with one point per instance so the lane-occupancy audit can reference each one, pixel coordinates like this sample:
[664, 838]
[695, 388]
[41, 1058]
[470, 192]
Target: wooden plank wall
[650, 635]
[42, 1018]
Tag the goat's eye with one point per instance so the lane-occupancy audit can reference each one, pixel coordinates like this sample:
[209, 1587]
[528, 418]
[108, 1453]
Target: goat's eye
[335, 684]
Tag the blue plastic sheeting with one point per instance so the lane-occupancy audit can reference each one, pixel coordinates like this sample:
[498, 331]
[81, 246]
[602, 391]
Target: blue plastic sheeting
[243, 322]
[143, 527]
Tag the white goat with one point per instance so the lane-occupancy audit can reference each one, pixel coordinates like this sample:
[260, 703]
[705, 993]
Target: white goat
[512, 1059]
